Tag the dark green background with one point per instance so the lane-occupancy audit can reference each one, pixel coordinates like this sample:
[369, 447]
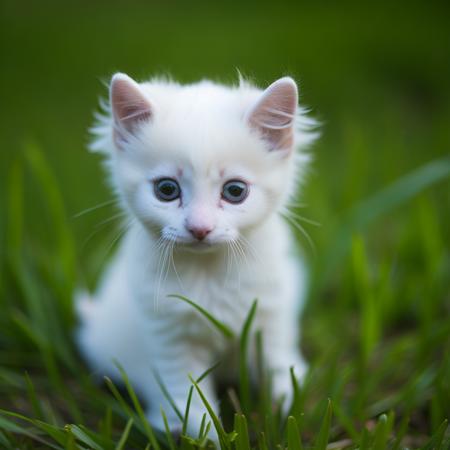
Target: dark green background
[377, 75]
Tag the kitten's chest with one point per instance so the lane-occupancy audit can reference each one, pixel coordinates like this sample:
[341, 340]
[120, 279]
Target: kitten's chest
[225, 292]
[227, 297]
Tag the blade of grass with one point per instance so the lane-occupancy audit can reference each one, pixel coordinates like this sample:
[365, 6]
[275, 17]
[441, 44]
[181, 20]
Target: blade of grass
[322, 437]
[223, 438]
[364, 440]
[345, 422]
[402, 429]
[293, 435]
[167, 395]
[242, 440]
[115, 392]
[106, 424]
[186, 412]
[8, 425]
[137, 406]
[201, 431]
[262, 441]
[83, 437]
[435, 443]
[381, 433]
[35, 403]
[187, 443]
[123, 438]
[71, 442]
[191, 391]
[208, 371]
[244, 379]
[370, 324]
[204, 438]
[220, 326]
[54, 432]
[295, 407]
[169, 437]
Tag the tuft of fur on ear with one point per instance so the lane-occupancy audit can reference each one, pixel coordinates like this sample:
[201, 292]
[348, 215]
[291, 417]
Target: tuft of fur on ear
[129, 107]
[274, 115]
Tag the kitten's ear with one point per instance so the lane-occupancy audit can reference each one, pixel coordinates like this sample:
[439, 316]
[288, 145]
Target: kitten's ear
[274, 114]
[128, 105]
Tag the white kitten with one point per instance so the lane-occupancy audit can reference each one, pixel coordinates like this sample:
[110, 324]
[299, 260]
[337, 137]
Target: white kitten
[203, 171]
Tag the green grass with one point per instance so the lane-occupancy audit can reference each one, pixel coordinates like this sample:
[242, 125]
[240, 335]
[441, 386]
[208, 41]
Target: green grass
[376, 328]
[374, 381]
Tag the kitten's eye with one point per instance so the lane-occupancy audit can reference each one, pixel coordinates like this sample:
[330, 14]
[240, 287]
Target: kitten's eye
[167, 189]
[235, 191]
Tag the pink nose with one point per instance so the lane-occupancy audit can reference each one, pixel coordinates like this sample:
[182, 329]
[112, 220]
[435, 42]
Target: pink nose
[199, 232]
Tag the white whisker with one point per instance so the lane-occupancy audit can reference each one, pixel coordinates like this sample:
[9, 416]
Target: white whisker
[161, 259]
[100, 226]
[250, 248]
[296, 225]
[122, 230]
[301, 218]
[94, 208]
[236, 259]
[111, 219]
[228, 262]
[173, 244]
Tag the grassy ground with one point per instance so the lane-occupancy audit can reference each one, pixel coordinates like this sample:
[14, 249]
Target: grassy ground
[376, 327]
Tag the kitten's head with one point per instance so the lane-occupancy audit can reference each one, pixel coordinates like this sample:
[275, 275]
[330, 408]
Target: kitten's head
[203, 164]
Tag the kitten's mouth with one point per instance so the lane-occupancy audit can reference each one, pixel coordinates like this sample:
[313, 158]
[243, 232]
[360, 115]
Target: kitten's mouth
[199, 246]
[196, 245]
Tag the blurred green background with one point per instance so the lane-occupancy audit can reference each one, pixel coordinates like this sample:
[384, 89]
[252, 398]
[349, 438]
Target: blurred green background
[377, 75]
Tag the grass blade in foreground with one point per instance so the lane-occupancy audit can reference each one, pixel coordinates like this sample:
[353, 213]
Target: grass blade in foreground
[185, 419]
[293, 435]
[435, 443]
[381, 433]
[224, 329]
[166, 394]
[123, 439]
[145, 423]
[243, 359]
[223, 437]
[322, 437]
[242, 440]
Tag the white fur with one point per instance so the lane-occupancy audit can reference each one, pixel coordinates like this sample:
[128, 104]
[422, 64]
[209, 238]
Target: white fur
[199, 134]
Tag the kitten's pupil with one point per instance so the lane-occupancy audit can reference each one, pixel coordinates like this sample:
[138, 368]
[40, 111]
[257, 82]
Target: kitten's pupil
[235, 191]
[167, 189]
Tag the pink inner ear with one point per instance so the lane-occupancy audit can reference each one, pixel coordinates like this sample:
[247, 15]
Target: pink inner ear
[274, 114]
[128, 104]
